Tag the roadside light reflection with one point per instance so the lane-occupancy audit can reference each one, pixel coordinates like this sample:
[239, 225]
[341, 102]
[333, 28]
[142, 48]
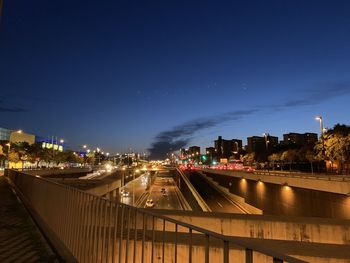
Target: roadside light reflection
[243, 186]
[260, 188]
[287, 196]
[346, 210]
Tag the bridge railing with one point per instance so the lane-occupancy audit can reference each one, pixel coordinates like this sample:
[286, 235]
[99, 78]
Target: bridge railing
[95, 229]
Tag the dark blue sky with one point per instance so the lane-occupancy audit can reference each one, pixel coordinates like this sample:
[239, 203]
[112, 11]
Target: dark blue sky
[126, 74]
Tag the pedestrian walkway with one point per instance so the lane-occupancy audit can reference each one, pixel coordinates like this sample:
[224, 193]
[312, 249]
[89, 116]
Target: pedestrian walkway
[20, 240]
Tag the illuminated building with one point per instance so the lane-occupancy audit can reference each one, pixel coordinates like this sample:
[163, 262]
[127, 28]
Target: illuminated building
[5, 134]
[299, 139]
[226, 148]
[19, 136]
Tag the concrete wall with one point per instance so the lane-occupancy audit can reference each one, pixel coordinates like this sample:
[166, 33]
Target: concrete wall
[332, 183]
[60, 173]
[274, 198]
[186, 192]
[330, 231]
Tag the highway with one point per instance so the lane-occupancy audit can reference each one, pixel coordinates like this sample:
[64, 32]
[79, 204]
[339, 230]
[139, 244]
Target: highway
[136, 188]
[214, 199]
[168, 200]
[141, 189]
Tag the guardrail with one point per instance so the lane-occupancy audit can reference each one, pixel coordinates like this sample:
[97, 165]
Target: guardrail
[203, 205]
[95, 229]
[331, 177]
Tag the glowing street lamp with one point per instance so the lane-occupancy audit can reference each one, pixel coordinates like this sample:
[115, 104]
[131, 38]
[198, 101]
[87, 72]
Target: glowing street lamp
[19, 131]
[266, 141]
[320, 119]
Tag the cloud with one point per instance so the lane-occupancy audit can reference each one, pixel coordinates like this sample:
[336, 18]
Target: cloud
[180, 135]
[319, 93]
[5, 108]
[12, 109]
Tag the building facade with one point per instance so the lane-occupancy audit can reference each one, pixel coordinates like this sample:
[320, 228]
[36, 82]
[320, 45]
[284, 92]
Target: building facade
[5, 134]
[226, 148]
[300, 139]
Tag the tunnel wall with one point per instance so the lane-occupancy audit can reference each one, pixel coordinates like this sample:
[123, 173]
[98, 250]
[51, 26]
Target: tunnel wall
[278, 199]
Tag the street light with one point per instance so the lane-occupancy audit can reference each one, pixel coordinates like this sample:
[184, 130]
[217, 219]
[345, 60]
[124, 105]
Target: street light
[99, 155]
[8, 153]
[266, 135]
[320, 119]
[236, 148]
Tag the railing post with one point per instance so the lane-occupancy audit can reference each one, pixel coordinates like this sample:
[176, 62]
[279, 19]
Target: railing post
[153, 237]
[144, 224]
[277, 260]
[163, 243]
[115, 232]
[69, 203]
[121, 234]
[248, 255]
[226, 251]
[175, 256]
[83, 227]
[104, 231]
[99, 225]
[206, 248]
[86, 243]
[109, 231]
[190, 246]
[135, 233]
[95, 225]
[127, 237]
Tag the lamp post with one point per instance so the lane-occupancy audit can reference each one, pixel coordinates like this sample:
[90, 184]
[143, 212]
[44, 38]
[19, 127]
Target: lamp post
[266, 135]
[8, 154]
[99, 155]
[320, 119]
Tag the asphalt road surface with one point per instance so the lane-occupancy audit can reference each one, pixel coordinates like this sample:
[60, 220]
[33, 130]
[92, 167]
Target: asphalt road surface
[136, 189]
[167, 200]
[214, 199]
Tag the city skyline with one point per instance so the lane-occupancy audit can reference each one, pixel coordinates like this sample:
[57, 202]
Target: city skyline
[111, 75]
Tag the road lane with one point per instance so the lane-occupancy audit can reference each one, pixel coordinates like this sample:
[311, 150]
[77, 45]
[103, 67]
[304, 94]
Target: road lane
[136, 189]
[214, 199]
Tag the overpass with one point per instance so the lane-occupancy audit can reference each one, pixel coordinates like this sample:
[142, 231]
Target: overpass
[83, 227]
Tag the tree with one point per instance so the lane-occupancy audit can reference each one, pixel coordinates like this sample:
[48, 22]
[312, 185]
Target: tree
[13, 157]
[311, 157]
[249, 159]
[22, 149]
[290, 156]
[335, 146]
[273, 158]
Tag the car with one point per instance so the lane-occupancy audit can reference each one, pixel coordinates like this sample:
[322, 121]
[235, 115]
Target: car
[125, 193]
[149, 203]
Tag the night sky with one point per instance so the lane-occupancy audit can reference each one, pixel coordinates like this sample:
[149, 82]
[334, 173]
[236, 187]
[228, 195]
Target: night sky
[164, 74]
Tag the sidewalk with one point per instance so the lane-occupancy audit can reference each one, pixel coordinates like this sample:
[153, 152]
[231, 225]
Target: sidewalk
[20, 240]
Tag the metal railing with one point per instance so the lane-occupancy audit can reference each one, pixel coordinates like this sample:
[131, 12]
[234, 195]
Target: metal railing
[95, 229]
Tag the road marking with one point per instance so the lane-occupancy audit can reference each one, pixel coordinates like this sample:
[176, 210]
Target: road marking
[219, 204]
